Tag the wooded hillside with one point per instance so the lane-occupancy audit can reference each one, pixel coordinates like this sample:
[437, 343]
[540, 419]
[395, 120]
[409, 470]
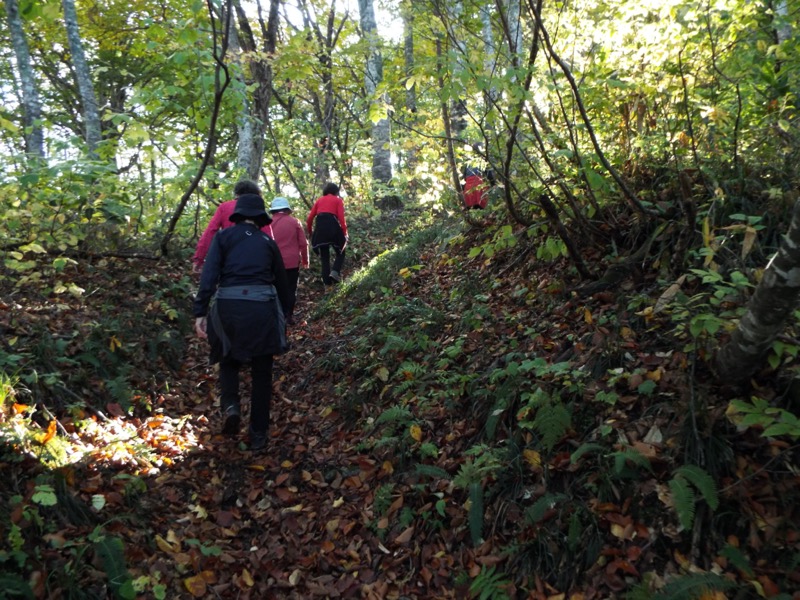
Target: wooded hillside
[585, 389]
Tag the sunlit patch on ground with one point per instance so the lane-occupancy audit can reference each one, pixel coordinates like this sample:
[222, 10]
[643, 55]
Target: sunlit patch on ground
[142, 446]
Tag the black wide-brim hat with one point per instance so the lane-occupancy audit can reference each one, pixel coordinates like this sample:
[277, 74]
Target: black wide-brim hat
[250, 206]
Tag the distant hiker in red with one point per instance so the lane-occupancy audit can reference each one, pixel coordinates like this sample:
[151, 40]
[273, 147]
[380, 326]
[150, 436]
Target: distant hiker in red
[329, 231]
[245, 277]
[476, 192]
[221, 220]
[288, 233]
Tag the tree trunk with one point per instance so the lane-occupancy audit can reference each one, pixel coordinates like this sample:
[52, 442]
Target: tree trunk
[774, 300]
[261, 72]
[83, 76]
[381, 128]
[31, 104]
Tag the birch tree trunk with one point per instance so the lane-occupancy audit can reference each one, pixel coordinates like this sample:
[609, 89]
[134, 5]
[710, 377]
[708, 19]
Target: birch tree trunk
[260, 67]
[411, 90]
[83, 76]
[381, 129]
[31, 103]
[774, 300]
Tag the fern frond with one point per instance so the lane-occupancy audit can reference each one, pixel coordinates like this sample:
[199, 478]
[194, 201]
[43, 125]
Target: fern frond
[552, 423]
[684, 499]
[584, 449]
[737, 559]
[700, 479]
[632, 455]
[394, 414]
[539, 508]
[432, 471]
[690, 587]
[111, 552]
[476, 513]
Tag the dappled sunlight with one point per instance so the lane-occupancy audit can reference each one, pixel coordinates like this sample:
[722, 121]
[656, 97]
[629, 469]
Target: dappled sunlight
[141, 446]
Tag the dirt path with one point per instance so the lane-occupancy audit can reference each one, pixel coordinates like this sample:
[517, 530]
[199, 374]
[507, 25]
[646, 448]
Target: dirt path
[292, 522]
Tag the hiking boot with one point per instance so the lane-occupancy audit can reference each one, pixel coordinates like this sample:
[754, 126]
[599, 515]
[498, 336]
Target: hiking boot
[258, 440]
[336, 276]
[232, 420]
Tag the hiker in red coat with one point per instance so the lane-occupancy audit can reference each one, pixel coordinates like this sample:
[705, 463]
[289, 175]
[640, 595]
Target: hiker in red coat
[476, 192]
[328, 229]
[221, 220]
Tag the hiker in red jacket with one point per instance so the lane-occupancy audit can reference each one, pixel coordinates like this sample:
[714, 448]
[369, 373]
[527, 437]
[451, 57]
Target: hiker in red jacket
[476, 192]
[329, 230]
[221, 220]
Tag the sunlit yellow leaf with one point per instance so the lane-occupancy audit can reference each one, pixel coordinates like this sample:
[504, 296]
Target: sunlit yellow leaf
[338, 502]
[416, 432]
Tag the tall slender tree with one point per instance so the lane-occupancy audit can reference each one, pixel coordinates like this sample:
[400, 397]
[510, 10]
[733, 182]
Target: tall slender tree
[258, 57]
[83, 77]
[31, 103]
[381, 126]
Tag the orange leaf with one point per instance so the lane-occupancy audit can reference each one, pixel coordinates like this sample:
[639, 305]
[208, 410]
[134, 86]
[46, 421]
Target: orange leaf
[20, 408]
[50, 433]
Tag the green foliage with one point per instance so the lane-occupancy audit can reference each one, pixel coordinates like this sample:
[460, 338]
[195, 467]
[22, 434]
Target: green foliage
[758, 412]
[476, 512]
[110, 551]
[489, 584]
[686, 479]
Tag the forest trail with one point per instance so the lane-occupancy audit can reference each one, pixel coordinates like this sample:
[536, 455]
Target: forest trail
[290, 522]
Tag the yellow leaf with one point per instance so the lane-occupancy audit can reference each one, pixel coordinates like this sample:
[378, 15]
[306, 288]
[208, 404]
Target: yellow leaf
[165, 546]
[587, 316]
[326, 411]
[338, 502]
[196, 586]
[247, 578]
[416, 432]
[294, 578]
[382, 374]
[749, 240]
[114, 343]
[533, 458]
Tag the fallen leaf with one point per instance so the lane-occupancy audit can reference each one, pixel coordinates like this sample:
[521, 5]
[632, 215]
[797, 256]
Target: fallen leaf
[196, 585]
[405, 537]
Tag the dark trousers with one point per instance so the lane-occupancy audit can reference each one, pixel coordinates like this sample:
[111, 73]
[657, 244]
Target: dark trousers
[292, 275]
[261, 392]
[325, 257]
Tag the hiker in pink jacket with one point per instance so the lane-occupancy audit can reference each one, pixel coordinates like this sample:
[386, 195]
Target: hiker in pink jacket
[291, 239]
[221, 220]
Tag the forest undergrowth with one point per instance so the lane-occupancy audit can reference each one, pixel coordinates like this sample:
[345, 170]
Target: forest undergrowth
[453, 421]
